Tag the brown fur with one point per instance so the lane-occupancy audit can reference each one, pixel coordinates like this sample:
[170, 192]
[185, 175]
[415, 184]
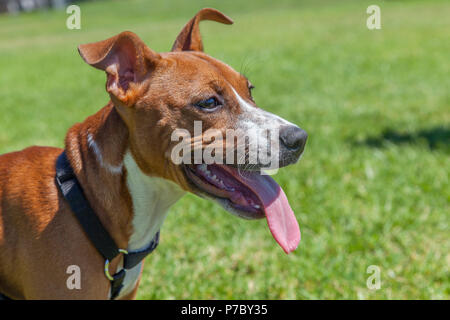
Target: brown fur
[151, 95]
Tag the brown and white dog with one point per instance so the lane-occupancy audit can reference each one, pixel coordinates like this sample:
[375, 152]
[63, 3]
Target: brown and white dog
[122, 159]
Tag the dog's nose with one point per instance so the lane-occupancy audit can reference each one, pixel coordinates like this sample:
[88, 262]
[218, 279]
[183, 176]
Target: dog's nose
[293, 138]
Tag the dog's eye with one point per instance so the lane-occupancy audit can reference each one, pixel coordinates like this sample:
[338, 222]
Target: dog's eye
[208, 104]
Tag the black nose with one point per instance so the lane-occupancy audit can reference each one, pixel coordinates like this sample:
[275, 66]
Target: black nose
[293, 138]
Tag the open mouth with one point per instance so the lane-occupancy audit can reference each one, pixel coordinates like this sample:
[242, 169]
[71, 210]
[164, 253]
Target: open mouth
[249, 195]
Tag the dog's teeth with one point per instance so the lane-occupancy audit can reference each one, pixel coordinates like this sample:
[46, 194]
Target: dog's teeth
[214, 177]
[256, 206]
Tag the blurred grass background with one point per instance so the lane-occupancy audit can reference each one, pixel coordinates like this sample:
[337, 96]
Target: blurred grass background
[373, 185]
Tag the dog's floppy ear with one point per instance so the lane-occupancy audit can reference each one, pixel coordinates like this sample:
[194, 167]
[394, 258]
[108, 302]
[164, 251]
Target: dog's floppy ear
[126, 60]
[190, 38]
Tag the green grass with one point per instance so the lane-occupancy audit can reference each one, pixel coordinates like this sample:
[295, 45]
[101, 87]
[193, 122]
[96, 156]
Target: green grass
[373, 185]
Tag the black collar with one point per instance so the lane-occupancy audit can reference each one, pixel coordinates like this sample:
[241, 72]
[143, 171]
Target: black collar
[100, 238]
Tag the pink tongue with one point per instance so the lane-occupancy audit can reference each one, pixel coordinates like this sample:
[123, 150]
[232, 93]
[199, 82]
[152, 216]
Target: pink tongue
[280, 217]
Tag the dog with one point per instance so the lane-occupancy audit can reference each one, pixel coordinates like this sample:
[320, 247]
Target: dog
[121, 159]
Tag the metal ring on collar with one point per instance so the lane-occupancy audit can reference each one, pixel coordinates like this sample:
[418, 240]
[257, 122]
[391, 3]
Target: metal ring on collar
[107, 274]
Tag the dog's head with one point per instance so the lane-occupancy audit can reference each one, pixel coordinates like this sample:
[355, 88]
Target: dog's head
[179, 104]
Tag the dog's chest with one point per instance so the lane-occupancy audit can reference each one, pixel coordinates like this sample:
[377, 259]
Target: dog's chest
[131, 280]
[151, 198]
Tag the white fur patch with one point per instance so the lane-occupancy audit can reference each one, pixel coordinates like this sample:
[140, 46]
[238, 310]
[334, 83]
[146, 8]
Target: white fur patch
[98, 154]
[257, 116]
[262, 128]
[151, 198]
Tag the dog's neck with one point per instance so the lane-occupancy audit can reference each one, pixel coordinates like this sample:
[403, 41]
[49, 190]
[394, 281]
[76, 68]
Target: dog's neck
[151, 197]
[131, 205]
